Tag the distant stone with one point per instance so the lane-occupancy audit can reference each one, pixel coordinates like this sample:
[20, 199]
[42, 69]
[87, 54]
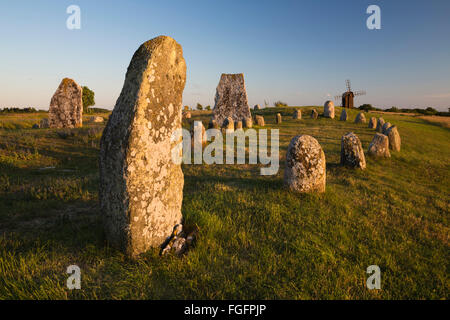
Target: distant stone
[239, 125]
[352, 153]
[394, 138]
[198, 133]
[257, 107]
[328, 109]
[360, 118]
[305, 165]
[187, 115]
[141, 186]
[385, 127]
[278, 118]
[373, 123]
[380, 123]
[344, 115]
[379, 147]
[66, 105]
[297, 115]
[314, 114]
[228, 124]
[231, 99]
[248, 123]
[44, 123]
[213, 124]
[96, 119]
[259, 121]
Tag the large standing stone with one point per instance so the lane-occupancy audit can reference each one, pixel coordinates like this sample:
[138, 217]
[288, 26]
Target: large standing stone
[259, 121]
[380, 123]
[373, 123]
[297, 115]
[360, 118]
[305, 165]
[379, 147]
[231, 99]
[385, 127]
[314, 114]
[278, 118]
[394, 138]
[344, 115]
[141, 187]
[66, 105]
[328, 109]
[352, 153]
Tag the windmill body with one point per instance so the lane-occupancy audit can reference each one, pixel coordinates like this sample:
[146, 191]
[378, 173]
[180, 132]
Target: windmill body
[348, 96]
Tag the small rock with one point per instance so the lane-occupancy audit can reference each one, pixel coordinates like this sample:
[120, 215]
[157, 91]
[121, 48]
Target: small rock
[360, 118]
[257, 107]
[344, 115]
[297, 115]
[380, 123]
[228, 124]
[352, 153]
[328, 109]
[394, 138]
[239, 125]
[385, 127]
[278, 119]
[372, 123]
[379, 147]
[248, 122]
[314, 114]
[259, 121]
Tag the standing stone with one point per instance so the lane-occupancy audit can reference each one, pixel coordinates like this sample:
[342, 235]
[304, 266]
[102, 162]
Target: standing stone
[305, 165]
[248, 123]
[360, 118]
[380, 123]
[385, 127]
[344, 115]
[328, 109]
[200, 137]
[213, 124]
[96, 119]
[259, 121]
[231, 99]
[372, 123]
[187, 115]
[228, 124]
[66, 106]
[379, 147]
[297, 115]
[257, 107]
[239, 125]
[352, 153]
[141, 187]
[44, 123]
[314, 114]
[394, 138]
[278, 119]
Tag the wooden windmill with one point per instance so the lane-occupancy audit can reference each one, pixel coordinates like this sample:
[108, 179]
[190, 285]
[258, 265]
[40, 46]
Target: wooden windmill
[348, 96]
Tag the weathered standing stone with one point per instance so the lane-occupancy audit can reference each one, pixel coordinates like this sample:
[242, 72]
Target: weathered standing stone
[380, 123]
[259, 121]
[385, 128]
[360, 118]
[352, 153]
[187, 115]
[328, 109]
[231, 99]
[66, 105]
[228, 124]
[44, 123]
[200, 137]
[257, 107]
[394, 138]
[278, 118]
[314, 114]
[141, 187]
[372, 123]
[305, 165]
[248, 123]
[213, 124]
[344, 115]
[379, 147]
[238, 125]
[297, 115]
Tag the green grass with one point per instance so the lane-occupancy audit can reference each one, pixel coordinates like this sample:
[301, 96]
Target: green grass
[257, 240]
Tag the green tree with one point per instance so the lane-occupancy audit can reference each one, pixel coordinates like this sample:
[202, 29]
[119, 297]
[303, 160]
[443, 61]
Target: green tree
[88, 99]
[208, 108]
[199, 106]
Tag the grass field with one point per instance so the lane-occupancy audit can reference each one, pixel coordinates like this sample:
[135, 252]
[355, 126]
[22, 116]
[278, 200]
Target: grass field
[257, 240]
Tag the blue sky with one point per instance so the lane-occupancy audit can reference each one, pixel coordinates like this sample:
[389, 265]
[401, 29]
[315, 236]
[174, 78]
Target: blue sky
[296, 51]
